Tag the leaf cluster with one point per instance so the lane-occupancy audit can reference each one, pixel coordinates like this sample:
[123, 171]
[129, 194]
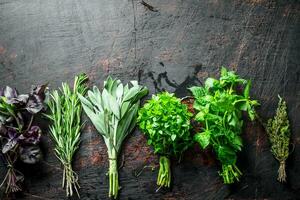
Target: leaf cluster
[166, 123]
[114, 110]
[18, 137]
[219, 106]
[16, 116]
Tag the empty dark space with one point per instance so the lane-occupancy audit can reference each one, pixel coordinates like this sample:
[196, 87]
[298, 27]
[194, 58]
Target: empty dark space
[166, 45]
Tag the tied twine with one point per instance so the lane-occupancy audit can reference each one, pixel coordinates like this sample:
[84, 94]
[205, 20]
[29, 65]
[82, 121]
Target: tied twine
[281, 172]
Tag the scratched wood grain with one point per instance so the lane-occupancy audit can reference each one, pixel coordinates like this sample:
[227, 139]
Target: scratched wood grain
[170, 47]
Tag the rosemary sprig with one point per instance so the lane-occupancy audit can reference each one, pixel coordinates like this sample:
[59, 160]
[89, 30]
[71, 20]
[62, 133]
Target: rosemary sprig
[65, 112]
[278, 130]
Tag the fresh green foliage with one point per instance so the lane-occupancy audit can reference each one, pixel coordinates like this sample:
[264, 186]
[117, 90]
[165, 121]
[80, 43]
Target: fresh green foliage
[278, 130]
[65, 113]
[113, 112]
[166, 123]
[220, 106]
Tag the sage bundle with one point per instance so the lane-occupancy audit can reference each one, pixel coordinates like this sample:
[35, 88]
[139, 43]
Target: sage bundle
[65, 113]
[278, 130]
[113, 113]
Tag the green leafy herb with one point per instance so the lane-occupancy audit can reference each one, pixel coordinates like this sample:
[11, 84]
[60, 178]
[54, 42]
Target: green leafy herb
[166, 123]
[65, 112]
[113, 112]
[278, 130]
[219, 108]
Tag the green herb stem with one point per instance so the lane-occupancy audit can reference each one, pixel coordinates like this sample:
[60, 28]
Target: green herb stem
[113, 178]
[70, 180]
[164, 174]
[230, 173]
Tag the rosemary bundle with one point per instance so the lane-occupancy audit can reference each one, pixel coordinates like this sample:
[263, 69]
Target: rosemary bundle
[278, 130]
[65, 112]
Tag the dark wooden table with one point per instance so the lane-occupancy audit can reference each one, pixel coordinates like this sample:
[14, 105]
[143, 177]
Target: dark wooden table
[175, 45]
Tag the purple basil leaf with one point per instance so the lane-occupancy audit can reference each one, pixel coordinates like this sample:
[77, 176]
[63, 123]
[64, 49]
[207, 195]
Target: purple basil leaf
[11, 143]
[12, 133]
[34, 105]
[20, 99]
[32, 136]
[30, 154]
[20, 117]
[39, 92]
[36, 99]
[10, 93]
[23, 98]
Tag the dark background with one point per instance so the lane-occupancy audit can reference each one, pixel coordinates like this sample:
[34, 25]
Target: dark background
[176, 45]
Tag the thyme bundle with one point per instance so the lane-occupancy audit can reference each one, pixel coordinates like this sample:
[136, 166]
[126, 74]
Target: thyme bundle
[278, 130]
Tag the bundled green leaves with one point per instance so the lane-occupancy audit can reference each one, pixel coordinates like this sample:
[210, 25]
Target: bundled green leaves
[166, 123]
[278, 130]
[220, 107]
[113, 112]
[65, 113]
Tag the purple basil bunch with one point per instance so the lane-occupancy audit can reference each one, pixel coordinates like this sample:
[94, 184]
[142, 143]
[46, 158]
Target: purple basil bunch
[19, 138]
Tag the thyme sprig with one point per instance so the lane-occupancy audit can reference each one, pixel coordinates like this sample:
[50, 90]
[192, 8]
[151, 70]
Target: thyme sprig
[278, 130]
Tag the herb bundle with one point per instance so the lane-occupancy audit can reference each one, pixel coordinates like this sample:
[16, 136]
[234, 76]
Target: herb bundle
[18, 137]
[220, 104]
[278, 130]
[65, 113]
[166, 123]
[113, 112]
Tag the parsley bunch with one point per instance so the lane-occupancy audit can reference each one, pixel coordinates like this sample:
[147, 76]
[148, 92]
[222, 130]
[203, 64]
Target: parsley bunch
[220, 107]
[278, 130]
[166, 123]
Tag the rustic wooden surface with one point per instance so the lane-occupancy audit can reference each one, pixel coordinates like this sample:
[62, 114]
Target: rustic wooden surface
[173, 46]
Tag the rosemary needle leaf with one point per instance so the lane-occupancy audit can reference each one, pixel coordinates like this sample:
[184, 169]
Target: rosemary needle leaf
[65, 114]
